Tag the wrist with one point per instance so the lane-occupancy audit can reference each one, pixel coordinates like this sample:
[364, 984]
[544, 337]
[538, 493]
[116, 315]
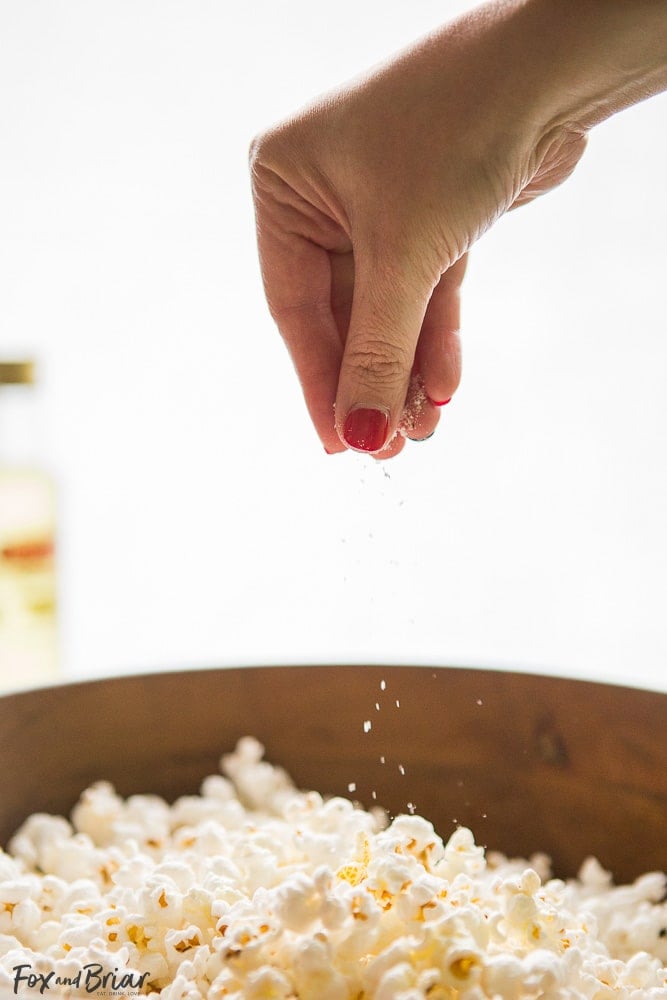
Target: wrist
[592, 58]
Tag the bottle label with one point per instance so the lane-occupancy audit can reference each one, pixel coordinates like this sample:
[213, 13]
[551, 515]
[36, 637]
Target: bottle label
[28, 641]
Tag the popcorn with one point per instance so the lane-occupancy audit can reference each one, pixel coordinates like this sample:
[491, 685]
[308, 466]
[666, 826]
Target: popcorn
[254, 890]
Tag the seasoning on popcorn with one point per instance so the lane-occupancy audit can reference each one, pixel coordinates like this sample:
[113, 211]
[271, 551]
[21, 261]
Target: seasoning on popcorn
[255, 890]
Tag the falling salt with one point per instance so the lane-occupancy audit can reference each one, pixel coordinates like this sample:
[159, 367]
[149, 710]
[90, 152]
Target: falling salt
[367, 726]
[383, 685]
[398, 704]
[382, 760]
[374, 794]
[377, 706]
[479, 701]
[352, 787]
[401, 769]
[412, 808]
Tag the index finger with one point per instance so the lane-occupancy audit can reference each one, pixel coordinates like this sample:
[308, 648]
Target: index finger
[297, 281]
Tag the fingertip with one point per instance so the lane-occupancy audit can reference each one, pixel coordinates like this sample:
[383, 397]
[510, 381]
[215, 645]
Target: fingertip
[321, 411]
[439, 348]
[440, 362]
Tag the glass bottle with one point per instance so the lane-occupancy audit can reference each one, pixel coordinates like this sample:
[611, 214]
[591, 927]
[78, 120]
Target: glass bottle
[28, 637]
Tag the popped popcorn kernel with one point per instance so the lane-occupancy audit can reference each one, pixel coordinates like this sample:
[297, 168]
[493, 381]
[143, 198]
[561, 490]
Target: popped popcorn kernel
[254, 890]
[460, 967]
[354, 873]
[137, 935]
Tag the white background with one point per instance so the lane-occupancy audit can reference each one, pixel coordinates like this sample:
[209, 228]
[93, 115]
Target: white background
[201, 523]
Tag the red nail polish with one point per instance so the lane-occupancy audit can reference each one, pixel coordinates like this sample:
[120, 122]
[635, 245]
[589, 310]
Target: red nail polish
[437, 402]
[366, 429]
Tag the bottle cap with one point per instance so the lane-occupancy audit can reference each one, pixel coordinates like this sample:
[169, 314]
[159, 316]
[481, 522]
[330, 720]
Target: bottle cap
[17, 372]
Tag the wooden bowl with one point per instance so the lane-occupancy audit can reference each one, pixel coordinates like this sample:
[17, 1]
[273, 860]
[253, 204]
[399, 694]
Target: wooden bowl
[529, 763]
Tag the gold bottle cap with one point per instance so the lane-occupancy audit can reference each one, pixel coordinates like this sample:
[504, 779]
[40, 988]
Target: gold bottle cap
[17, 372]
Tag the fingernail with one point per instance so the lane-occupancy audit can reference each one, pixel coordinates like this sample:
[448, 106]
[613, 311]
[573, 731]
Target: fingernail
[437, 402]
[366, 429]
[427, 438]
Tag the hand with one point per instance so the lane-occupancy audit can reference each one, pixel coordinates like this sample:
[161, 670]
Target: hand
[368, 201]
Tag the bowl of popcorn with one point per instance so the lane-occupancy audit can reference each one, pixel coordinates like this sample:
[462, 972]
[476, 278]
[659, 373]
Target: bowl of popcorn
[334, 833]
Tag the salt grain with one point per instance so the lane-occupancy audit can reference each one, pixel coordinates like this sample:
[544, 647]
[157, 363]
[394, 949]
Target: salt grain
[415, 402]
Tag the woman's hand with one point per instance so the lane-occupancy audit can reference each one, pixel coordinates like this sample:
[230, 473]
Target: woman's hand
[368, 201]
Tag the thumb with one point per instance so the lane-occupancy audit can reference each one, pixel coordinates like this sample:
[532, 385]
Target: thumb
[387, 313]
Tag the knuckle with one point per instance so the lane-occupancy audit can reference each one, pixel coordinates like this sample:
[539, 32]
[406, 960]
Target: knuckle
[257, 151]
[263, 153]
[378, 362]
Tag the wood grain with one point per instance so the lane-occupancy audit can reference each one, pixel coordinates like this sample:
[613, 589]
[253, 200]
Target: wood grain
[528, 763]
